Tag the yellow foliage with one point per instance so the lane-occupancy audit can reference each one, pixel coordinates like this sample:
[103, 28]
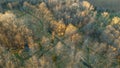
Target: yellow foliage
[87, 5]
[70, 29]
[58, 27]
[115, 20]
[61, 29]
[105, 14]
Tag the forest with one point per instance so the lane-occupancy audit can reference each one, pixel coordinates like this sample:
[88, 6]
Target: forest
[58, 34]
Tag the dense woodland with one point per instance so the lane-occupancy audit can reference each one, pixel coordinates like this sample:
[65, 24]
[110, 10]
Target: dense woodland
[58, 34]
